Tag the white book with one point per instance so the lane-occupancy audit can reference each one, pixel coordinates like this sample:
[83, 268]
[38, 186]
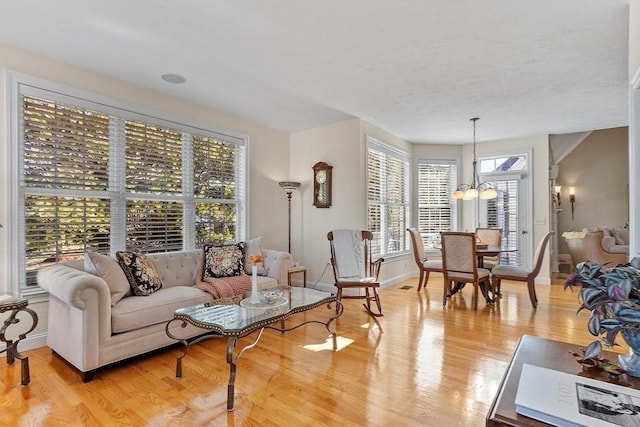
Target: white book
[563, 399]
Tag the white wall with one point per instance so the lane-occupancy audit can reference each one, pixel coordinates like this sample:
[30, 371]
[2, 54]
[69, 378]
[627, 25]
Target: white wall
[268, 156]
[634, 127]
[598, 168]
[343, 146]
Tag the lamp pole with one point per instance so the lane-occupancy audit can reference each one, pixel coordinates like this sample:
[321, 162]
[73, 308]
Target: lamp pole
[289, 187]
[289, 200]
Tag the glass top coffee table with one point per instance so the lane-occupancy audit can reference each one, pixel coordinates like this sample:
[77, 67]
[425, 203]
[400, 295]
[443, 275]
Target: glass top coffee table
[237, 317]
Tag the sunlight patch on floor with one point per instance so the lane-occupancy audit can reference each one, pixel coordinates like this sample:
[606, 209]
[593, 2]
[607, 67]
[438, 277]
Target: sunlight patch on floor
[328, 344]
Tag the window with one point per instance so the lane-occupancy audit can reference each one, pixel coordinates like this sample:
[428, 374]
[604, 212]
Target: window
[437, 210]
[388, 198]
[95, 176]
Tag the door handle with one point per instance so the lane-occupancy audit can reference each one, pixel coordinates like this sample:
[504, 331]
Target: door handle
[525, 232]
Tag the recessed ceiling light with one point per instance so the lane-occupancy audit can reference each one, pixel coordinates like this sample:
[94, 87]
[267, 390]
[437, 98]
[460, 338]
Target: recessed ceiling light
[173, 78]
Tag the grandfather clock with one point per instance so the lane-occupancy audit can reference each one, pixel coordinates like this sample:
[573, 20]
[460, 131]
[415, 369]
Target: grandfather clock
[322, 185]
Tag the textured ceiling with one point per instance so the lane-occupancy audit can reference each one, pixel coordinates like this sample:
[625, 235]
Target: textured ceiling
[417, 68]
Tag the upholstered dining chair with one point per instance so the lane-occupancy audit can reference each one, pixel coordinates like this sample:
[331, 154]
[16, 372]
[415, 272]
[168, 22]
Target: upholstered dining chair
[354, 267]
[459, 263]
[492, 237]
[518, 274]
[425, 266]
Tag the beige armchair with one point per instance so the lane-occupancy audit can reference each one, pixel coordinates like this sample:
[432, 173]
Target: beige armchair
[587, 246]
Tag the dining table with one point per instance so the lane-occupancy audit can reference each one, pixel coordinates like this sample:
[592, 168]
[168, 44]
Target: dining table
[490, 251]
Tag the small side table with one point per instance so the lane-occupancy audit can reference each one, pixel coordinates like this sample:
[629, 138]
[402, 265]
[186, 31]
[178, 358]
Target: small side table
[16, 305]
[298, 269]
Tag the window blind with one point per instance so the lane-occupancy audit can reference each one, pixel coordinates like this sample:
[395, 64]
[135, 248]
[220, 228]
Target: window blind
[437, 210]
[93, 179]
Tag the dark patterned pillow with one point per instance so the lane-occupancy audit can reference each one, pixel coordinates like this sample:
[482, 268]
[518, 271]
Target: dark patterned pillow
[141, 273]
[224, 260]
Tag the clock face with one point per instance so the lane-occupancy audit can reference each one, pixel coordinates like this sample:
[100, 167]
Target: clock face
[321, 177]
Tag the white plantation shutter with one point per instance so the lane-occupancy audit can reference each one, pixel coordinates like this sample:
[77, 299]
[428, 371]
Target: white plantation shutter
[218, 185]
[388, 198]
[102, 178]
[437, 210]
[508, 212]
[64, 178]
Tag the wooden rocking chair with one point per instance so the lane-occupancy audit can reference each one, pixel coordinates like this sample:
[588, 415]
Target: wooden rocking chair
[353, 267]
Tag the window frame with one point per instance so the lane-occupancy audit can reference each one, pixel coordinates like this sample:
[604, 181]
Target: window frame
[19, 84]
[407, 205]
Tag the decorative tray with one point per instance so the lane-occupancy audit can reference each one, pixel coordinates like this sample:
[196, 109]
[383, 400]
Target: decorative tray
[263, 304]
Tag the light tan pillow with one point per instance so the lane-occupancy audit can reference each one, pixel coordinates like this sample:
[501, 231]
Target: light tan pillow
[621, 235]
[109, 270]
[253, 247]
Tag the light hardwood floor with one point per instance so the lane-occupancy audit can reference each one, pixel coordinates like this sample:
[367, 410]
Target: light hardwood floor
[420, 364]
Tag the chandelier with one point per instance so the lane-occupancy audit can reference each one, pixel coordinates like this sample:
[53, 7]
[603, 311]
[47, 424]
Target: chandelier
[475, 188]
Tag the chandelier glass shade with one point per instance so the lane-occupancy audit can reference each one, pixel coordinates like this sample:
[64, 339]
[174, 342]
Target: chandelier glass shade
[475, 188]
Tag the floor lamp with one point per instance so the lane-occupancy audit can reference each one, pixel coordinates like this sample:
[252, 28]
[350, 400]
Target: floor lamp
[289, 187]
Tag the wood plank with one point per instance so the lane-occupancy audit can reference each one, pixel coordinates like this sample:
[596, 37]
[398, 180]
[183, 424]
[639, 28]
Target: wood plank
[420, 364]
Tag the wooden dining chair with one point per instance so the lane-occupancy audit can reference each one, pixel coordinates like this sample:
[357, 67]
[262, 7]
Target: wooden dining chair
[492, 237]
[354, 267]
[518, 274]
[425, 266]
[459, 263]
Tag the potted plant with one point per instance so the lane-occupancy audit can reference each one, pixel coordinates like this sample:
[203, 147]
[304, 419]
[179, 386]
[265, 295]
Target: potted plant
[612, 294]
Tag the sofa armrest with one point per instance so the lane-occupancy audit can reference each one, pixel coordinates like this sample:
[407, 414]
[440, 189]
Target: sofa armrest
[277, 264]
[68, 285]
[607, 243]
[80, 292]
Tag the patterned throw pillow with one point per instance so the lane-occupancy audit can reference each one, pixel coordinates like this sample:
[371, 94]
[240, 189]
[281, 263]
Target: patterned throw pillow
[223, 261]
[141, 273]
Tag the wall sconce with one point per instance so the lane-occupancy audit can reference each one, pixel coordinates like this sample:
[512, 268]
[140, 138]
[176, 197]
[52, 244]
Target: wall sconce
[572, 198]
[558, 189]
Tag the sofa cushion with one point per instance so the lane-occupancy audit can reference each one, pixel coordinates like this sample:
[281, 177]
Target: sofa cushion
[177, 268]
[140, 271]
[136, 312]
[109, 270]
[619, 249]
[223, 260]
[622, 235]
[254, 247]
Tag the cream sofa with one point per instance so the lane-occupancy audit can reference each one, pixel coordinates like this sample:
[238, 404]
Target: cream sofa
[90, 331]
[588, 246]
[615, 240]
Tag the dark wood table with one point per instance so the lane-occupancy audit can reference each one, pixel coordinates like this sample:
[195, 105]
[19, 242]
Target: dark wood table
[490, 251]
[549, 354]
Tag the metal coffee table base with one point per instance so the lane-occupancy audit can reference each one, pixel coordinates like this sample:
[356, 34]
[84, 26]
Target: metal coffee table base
[233, 340]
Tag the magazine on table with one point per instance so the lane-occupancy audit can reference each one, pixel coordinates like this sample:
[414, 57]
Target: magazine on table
[563, 399]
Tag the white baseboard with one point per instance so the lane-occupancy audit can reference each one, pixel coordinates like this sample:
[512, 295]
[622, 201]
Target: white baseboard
[31, 342]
